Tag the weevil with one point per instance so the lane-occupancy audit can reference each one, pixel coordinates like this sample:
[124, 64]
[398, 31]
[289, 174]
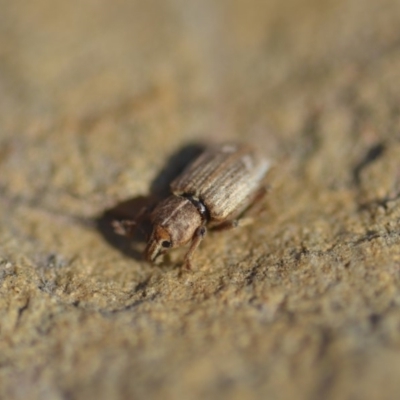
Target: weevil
[213, 191]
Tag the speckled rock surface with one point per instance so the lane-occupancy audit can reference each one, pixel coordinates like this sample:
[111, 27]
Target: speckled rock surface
[97, 101]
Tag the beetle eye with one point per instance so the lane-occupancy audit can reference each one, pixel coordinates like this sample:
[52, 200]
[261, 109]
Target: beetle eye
[166, 243]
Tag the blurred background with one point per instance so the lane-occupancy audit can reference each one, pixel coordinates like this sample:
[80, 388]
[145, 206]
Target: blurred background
[99, 78]
[96, 96]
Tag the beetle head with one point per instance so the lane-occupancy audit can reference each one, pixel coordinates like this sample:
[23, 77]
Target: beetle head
[174, 221]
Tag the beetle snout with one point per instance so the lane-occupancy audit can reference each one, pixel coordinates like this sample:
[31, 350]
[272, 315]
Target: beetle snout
[152, 250]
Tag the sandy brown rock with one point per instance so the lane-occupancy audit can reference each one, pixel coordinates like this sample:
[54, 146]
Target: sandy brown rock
[97, 101]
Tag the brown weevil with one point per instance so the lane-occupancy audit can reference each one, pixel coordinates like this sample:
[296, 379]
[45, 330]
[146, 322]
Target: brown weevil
[214, 190]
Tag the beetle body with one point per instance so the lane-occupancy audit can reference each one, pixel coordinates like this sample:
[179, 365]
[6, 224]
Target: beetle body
[213, 190]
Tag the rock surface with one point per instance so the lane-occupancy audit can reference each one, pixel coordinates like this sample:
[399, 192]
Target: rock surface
[97, 101]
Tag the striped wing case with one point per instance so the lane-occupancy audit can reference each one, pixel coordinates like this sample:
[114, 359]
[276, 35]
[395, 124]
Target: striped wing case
[224, 178]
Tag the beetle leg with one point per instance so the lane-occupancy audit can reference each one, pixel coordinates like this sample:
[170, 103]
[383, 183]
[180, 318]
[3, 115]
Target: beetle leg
[256, 205]
[234, 223]
[226, 225]
[249, 215]
[127, 227]
[197, 238]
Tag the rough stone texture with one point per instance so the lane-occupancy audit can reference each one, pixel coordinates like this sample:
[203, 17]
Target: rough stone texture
[95, 99]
